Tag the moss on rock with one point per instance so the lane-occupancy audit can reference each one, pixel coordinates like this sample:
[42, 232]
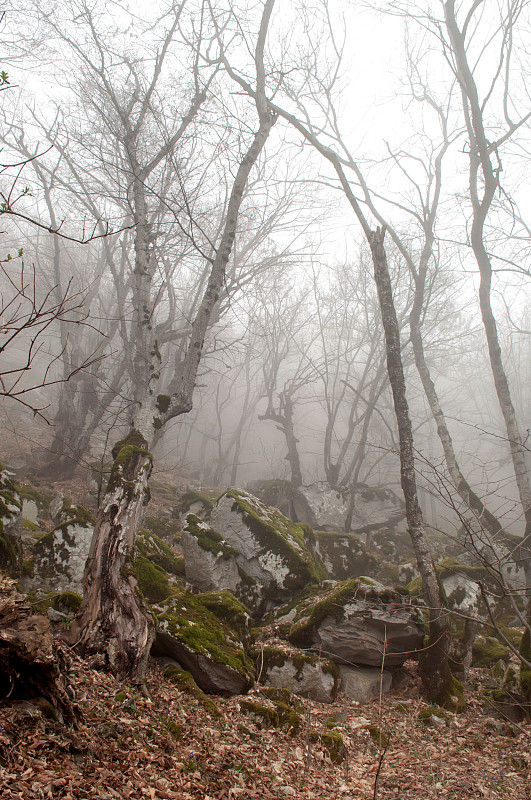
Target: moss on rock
[152, 580]
[185, 683]
[487, 650]
[207, 538]
[67, 602]
[328, 601]
[190, 621]
[263, 716]
[277, 534]
[332, 741]
[160, 554]
[525, 672]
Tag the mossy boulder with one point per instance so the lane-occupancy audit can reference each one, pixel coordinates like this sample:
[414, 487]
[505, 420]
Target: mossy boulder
[10, 526]
[525, 671]
[35, 504]
[159, 553]
[275, 492]
[361, 509]
[251, 549]
[61, 554]
[166, 529]
[487, 651]
[199, 502]
[209, 647]
[152, 580]
[300, 672]
[345, 555]
[355, 622]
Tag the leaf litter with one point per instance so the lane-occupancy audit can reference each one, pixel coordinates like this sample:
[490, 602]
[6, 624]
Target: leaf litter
[168, 748]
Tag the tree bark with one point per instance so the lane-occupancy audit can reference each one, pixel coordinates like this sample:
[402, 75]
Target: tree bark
[113, 621]
[434, 666]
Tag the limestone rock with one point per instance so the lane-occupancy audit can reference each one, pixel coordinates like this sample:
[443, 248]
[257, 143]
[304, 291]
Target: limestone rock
[251, 549]
[207, 646]
[344, 555]
[302, 673]
[355, 622]
[60, 555]
[363, 683]
[360, 509]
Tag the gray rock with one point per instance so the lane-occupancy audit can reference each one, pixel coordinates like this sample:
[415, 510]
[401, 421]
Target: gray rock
[56, 506]
[357, 622]
[345, 555]
[363, 683]
[251, 549]
[301, 672]
[369, 508]
[61, 554]
[30, 511]
[207, 645]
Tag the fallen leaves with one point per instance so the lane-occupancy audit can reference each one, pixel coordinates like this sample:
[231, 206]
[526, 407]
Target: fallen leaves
[122, 752]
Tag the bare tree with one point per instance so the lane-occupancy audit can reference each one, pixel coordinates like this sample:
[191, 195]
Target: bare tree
[437, 679]
[113, 620]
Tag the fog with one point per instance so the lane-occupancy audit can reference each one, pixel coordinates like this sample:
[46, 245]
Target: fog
[124, 135]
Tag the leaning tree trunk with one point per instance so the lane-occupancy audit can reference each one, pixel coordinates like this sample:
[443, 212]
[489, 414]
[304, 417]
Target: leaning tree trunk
[113, 621]
[437, 679]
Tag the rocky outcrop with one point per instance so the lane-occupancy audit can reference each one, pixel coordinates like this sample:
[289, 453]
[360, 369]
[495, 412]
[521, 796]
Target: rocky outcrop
[302, 673]
[208, 645]
[251, 549]
[61, 554]
[344, 555]
[360, 509]
[355, 622]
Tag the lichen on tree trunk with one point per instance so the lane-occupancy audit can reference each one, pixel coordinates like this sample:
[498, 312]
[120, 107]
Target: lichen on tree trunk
[113, 621]
[439, 684]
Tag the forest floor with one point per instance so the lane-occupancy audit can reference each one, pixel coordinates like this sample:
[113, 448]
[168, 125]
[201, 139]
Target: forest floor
[169, 748]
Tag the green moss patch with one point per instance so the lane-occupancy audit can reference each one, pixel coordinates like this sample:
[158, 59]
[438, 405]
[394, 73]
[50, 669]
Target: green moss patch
[329, 601]
[207, 538]
[152, 580]
[163, 527]
[67, 602]
[525, 672]
[332, 741]
[160, 554]
[277, 534]
[487, 650]
[262, 715]
[378, 737]
[205, 498]
[188, 619]
[185, 683]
